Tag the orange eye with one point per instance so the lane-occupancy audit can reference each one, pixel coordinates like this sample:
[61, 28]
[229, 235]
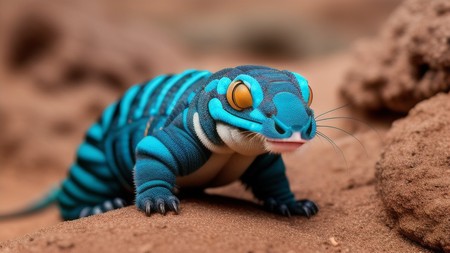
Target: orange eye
[310, 96]
[239, 96]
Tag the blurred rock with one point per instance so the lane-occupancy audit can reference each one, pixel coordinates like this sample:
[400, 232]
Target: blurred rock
[61, 63]
[413, 174]
[353, 18]
[266, 30]
[62, 44]
[408, 62]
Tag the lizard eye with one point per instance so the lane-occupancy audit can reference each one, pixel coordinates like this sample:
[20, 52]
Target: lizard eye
[310, 96]
[239, 96]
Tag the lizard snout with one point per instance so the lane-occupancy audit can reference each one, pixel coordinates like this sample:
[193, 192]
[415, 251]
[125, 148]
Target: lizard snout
[292, 116]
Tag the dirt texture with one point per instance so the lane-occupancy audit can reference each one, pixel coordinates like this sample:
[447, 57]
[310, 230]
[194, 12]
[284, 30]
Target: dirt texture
[413, 174]
[350, 220]
[406, 63]
[62, 63]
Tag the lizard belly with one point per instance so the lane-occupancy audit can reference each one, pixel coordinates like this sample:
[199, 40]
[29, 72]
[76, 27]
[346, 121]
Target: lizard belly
[220, 169]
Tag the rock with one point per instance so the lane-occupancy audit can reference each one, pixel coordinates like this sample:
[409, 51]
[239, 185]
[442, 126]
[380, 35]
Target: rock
[64, 45]
[413, 173]
[408, 62]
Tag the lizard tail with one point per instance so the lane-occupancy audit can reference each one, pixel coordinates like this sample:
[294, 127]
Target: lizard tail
[50, 198]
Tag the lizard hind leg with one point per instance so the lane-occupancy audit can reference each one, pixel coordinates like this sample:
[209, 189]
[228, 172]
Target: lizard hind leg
[85, 193]
[91, 187]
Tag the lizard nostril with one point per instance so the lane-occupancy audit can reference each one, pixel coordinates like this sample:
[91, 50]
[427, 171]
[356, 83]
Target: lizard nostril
[279, 129]
[309, 130]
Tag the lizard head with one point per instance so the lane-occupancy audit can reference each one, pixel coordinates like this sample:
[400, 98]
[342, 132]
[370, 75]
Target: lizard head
[262, 103]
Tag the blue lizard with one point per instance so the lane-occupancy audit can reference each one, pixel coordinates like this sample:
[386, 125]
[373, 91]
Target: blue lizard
[195, 129]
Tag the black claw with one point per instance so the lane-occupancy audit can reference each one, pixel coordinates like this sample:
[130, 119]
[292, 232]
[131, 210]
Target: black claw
[119, 202]
[97, 210]
[285, 211]
[311, 205]
[161, 206]
[162, 209]
[174, 206]
[315, 208]
[306, 211]
[271, 204]
[85, 212]
[108, 206]
[302, 207]
[148, 207]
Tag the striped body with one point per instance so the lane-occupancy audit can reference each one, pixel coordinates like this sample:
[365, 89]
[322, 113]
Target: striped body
[105, 160]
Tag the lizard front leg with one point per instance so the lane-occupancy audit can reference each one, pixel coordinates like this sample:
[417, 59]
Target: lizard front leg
[161, 158]
[267, 178]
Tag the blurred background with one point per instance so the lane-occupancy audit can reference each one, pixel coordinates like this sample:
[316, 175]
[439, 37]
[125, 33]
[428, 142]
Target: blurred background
[62, 62]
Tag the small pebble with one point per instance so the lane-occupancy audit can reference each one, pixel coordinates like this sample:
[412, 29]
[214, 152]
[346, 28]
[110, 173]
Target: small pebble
[333, 241]
[65, 244]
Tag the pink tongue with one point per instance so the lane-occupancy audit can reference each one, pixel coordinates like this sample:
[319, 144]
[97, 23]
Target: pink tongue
[285, 146]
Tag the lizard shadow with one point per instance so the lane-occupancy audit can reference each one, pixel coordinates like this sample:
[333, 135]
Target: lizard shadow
[221, 203]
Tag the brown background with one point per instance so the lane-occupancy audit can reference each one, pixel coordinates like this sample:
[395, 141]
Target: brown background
[62, 63]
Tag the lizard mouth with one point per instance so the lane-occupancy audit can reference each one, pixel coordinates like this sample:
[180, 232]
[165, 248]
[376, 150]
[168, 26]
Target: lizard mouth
[286, 145]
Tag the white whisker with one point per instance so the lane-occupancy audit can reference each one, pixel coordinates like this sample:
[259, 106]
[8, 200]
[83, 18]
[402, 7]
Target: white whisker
[333, 144]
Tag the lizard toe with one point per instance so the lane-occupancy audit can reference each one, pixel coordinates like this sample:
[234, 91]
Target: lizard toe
[160, 205]
[148, 207]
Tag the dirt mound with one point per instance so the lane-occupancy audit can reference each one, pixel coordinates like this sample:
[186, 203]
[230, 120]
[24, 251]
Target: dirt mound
[414, 173]
[408, 62]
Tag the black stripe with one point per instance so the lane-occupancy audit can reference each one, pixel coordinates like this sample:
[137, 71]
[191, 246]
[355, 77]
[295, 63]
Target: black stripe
[135, 137]
[126, 152]
[65, 206]
[135, 102]
[86, 189]
[116, 114]
[182, 102]
[173, 90]
[154, 96]
[94, 169]
[92, 142]
[118, 162]
[91, 166]
[85, 192]
[71, 195]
